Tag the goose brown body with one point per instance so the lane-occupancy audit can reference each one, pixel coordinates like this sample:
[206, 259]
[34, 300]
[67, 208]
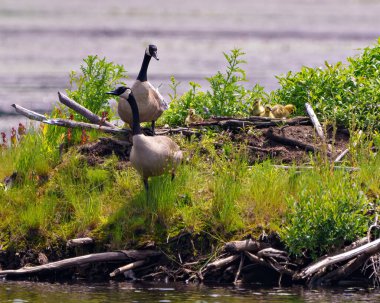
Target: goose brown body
[154, 156]
[150, 156]
[149, 100]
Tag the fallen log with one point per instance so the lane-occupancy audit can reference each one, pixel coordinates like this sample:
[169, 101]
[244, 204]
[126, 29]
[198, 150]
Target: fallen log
[341, 272]
[93, 118]
[368, 249]
[291, 142]
[109, 257]
[245, 245]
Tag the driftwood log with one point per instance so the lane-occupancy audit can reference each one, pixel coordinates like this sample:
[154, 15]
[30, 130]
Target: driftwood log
[367, 249]
[108, 257]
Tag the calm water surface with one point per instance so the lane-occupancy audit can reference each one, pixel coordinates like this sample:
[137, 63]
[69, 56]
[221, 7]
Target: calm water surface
[19, 292]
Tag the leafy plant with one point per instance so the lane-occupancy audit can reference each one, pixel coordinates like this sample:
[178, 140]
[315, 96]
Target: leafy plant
[227, 96]
[348, 94]
[323, 218]
[97, 77]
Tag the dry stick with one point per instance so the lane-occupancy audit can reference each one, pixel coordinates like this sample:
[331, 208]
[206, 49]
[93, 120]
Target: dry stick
[28, 113]
[315, 121]
[93, 118]
[343, 153]
[289, 167]
[67, 123]
[79, 242]
[239, 269]
[127, 255]
[369, 249]
[245, 245]
[129, 266]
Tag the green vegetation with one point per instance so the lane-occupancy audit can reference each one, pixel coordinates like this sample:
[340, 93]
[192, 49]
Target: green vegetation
[215, 191]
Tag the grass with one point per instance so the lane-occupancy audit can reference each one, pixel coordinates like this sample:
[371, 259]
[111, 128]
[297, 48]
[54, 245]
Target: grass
[214, 192]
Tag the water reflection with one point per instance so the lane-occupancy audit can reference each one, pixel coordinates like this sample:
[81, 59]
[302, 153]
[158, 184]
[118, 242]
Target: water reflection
[18, 292]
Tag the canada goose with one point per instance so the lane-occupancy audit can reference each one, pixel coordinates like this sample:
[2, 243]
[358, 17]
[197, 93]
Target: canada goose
[150, 101]
[267, 112]
[192, 117]
[257, 108]
[150, 156]
[281, 111]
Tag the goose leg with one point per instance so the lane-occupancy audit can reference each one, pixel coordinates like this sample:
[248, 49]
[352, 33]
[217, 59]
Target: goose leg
[146, 185]
[153, 127]
[173, 175]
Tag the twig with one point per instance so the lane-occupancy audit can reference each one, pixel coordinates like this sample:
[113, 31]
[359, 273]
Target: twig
[298, 168]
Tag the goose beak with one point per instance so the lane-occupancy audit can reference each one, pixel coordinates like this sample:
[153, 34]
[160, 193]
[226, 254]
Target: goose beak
[154, 55]
[112, 92]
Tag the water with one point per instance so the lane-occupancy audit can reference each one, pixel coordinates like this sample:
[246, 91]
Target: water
[20, 292]
[41, 41]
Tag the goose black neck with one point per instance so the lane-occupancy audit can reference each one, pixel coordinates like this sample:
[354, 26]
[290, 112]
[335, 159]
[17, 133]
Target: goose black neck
[144, 69]
[136, 128]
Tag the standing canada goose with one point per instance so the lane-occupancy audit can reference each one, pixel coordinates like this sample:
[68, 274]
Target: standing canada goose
[267, 112]
[192, 117]
[150, 101]
[150, 156]
[281, 111]
[257, 108]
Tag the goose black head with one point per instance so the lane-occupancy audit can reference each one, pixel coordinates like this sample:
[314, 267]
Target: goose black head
[121, 91]
[151, 50]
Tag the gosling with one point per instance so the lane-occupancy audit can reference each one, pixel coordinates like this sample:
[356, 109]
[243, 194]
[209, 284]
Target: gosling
[192, 117]
[267, 112]
[150, 101]
[150, 156]
[281, 111]
[257, 108]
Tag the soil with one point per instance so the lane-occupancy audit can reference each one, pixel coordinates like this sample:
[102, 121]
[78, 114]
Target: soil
[261, 148]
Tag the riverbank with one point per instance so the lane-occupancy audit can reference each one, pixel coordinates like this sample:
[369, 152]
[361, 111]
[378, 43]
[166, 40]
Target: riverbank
[305, 191]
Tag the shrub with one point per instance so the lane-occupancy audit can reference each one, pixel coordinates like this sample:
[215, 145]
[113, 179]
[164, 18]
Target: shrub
[323, 217]
[348, 94]
[227, 95]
